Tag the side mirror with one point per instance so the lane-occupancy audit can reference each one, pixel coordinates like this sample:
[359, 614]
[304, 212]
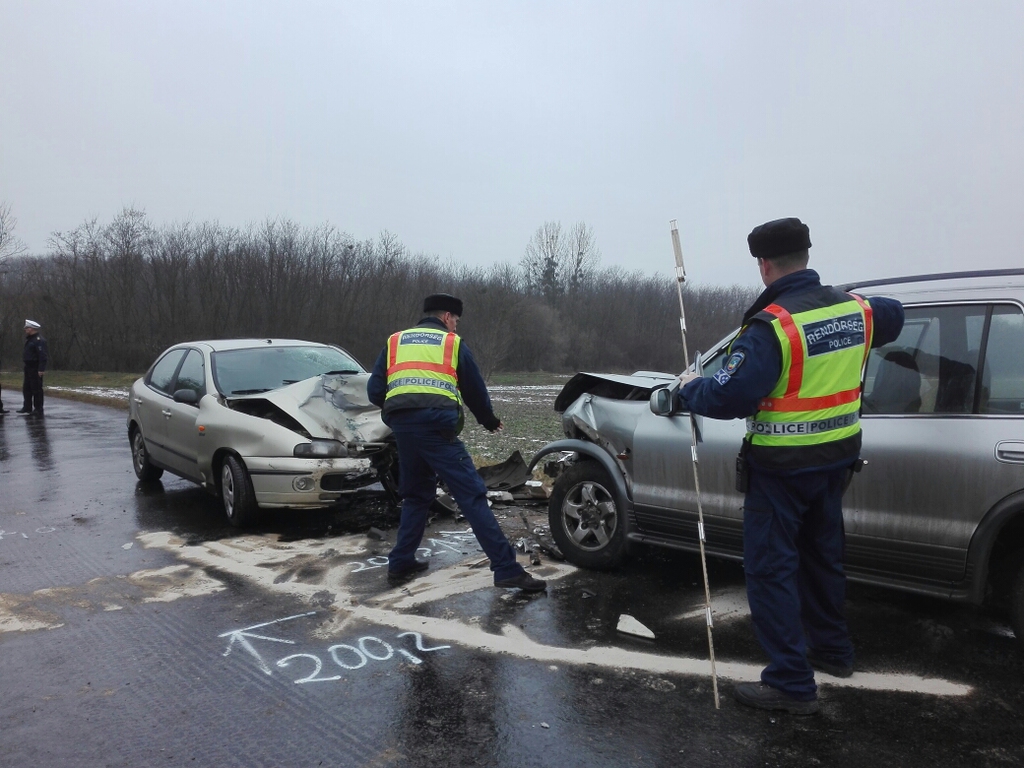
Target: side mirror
[663, 401]
[187, 396]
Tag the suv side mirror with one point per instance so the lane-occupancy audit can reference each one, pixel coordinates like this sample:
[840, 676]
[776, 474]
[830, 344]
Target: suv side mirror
[187, 396]
[663, 401]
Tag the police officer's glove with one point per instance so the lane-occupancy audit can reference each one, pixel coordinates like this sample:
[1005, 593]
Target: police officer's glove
[686, 378]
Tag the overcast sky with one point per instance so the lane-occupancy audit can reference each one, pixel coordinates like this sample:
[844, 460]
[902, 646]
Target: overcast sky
[895, 130]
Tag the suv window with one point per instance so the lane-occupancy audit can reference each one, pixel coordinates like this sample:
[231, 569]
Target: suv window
[162, 375]
[1002, 376]
[192, 374]
[933, 366]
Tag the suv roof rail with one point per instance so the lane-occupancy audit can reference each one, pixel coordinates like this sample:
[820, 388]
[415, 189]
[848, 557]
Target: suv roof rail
[933, 276]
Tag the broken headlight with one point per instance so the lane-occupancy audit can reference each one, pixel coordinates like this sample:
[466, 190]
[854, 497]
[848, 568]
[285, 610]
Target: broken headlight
[319, 448]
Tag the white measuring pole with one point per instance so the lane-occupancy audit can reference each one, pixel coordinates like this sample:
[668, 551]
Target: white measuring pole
[680, 279]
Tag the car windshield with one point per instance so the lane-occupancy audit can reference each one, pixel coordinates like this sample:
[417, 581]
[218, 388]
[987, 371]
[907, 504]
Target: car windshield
[261, 369]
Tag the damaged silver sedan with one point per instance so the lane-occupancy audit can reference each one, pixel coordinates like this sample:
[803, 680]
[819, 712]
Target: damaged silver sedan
[263, 423]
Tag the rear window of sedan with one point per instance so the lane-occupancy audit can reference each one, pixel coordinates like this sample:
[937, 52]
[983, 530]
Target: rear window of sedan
[261, 369]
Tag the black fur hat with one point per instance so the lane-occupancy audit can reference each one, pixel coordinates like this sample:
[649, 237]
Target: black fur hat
[442, 302]
[779, 237]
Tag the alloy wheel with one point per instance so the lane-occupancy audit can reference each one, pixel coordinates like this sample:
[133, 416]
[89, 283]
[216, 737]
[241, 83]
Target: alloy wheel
[139, 452]
[589, 515]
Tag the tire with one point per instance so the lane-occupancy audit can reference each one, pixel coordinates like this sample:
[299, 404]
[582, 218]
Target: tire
[586, 523]
[144, 470]
[1017, 607]
[237, 494]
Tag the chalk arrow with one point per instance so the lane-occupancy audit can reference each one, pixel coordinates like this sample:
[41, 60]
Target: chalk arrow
[242, 636]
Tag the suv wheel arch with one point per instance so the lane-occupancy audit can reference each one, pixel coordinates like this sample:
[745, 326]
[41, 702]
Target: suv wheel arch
[995, 547]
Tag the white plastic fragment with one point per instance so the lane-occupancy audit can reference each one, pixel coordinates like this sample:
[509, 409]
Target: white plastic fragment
[630, 626]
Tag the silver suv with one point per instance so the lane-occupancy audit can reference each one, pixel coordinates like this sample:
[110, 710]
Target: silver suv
[937, 510]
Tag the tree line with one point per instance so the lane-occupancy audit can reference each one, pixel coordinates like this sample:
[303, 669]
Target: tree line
[112, 296]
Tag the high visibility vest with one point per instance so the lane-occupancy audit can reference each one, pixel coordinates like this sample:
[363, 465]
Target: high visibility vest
[422, 370]
[812, 416]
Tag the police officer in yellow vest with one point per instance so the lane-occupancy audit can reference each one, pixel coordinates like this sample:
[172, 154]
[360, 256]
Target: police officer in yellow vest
[794, 373]
[421, 380]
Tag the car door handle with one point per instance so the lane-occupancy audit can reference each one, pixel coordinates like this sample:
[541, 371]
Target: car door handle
[138, 401]
[166, 413]
[1010, 451]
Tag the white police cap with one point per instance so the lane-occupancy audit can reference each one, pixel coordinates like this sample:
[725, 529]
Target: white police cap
[32, 324]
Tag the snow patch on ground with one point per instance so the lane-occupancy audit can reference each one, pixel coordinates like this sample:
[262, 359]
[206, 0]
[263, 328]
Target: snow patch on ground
[114, 393]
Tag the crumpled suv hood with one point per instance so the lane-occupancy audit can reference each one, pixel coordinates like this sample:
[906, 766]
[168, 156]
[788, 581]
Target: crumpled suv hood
[330, 406]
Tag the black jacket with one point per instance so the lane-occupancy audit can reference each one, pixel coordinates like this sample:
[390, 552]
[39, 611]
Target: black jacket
[34, 355]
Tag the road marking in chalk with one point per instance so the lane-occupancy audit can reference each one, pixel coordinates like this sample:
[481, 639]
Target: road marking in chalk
[263, 560]
[243, 636]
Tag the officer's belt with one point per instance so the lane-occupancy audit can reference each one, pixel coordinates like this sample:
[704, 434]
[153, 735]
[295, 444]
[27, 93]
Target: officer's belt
[417, 381]
[802, 427]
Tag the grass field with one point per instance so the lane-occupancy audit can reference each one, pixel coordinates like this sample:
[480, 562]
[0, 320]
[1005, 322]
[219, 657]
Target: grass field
[527, 410]
[523, 401]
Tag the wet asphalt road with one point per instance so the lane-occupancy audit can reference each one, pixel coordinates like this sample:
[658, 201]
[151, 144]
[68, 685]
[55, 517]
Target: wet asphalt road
[137, 629]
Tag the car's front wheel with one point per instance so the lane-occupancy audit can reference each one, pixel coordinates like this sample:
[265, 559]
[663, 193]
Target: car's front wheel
[237, 494]
[586, 523]
[144, 469]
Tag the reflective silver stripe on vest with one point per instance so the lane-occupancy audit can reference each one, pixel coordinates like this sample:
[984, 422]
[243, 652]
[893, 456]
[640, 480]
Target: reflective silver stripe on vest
[801, 427]
[417, 381]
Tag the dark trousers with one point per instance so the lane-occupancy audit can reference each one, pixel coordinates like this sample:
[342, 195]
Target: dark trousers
[422, 457]
[793, 544]
[32, 389]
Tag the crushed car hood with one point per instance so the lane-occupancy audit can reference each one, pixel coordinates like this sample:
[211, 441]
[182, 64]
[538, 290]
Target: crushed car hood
[638, 386]
[333, 406]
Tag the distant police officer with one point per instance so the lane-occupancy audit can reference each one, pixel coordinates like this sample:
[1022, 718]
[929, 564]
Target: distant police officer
[420, 380]
[794, 373]
[34, 357]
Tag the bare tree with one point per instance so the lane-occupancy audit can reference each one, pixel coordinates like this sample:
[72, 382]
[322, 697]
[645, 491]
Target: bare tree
[581, 256]
[10, 245]
[542, 262]
[12, 275]
[557, 262]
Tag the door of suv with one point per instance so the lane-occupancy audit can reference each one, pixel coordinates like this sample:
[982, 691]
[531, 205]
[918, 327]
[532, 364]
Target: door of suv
[665, 499]
[932, 429]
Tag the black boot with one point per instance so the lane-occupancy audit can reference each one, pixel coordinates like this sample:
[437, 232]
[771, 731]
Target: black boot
[826, 664]
[523, 581]
[398, 576]
[761, 696]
